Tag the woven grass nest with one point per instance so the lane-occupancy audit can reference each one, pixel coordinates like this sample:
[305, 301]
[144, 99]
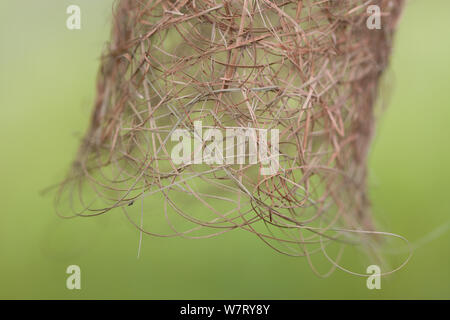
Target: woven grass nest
[310, 69]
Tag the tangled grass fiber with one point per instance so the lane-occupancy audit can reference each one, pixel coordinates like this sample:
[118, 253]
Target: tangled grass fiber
[310, 69]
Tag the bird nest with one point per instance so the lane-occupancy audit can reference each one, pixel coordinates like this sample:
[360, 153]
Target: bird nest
[296, 79]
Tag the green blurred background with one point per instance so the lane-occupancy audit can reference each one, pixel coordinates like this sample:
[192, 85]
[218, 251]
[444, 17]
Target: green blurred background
[47, 84]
